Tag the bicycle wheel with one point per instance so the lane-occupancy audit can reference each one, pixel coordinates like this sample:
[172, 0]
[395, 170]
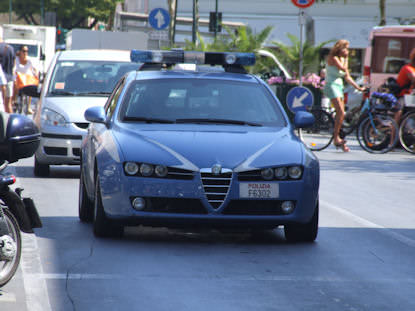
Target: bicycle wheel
[377, 133]
[407, 132]
[10, 256]
[350, 120]
[320, 135]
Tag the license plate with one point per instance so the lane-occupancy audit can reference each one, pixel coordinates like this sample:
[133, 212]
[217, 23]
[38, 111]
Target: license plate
[259, 190]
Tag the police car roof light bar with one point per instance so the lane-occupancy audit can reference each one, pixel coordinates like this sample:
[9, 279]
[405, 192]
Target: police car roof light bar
[193, 57]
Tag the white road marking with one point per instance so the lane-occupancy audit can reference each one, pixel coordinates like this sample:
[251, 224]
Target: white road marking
[7, 297]
[247, 277]
[37, 298]
[368, 224]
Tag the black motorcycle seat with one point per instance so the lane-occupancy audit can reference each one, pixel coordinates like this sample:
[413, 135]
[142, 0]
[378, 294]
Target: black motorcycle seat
[4, 118]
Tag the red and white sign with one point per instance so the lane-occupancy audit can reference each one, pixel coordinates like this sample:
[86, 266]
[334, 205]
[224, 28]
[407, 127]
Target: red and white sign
[303, 3]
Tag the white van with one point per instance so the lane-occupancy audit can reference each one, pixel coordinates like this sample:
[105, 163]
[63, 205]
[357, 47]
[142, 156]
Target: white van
[388, 51]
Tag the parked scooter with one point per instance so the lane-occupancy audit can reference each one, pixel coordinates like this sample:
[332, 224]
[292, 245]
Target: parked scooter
[19, 138]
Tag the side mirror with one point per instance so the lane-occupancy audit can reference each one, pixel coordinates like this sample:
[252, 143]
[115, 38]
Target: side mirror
[303, 119]
[31, 90]
[95, 115]
[42, 56]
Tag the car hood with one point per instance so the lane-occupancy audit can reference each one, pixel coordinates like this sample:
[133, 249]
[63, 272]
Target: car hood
[196, 147]
[73, 107]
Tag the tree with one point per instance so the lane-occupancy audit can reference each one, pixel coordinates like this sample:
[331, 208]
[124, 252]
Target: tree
[69, 13]
[290, 54]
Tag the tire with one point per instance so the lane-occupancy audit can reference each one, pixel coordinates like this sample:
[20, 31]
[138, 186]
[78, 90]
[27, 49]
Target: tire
[303, 232]
[8, 268]
[85, 205]
[103, 227]
[320, 135]
[350, 121]
[41, 170]
[407, 132]
[379, 137]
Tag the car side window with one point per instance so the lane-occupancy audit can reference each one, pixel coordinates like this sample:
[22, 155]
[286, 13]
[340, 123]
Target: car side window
[112, 102]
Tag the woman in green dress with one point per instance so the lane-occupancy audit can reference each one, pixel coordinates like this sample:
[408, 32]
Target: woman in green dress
[337, 70]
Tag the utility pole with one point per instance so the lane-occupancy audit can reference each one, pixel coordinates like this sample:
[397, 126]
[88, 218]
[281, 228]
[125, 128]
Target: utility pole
[195, 20]
[42, 12]
[216, 18]
[10, 11]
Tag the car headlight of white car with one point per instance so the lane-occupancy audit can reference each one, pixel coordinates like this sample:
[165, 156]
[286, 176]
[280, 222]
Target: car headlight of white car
[49, 117]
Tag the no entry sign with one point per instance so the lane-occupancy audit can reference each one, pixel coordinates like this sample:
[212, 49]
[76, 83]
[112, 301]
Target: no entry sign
[303, 3]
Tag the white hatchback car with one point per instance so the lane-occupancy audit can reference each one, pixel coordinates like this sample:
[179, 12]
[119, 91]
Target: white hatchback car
[76, 80]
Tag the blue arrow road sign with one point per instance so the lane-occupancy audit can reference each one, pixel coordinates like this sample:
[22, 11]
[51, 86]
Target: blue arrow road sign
[299, 98]
[159, 18]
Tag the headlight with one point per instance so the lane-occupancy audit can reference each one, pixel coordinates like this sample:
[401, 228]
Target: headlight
[146, 169]
[51, 118]
[131, 168]
[281, 172]
[267, 173]
[161, 171]
[295, 172]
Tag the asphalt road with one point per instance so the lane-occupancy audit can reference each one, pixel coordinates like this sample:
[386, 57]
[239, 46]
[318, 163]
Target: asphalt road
[363, 258]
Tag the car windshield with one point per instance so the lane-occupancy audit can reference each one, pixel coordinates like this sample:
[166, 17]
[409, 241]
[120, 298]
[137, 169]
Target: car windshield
[79, 78]
[32, 49]
[204, 101]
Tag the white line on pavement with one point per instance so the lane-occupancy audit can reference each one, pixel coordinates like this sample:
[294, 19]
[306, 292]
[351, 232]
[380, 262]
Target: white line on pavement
[7, 297]
[37, 298]
[368, 224]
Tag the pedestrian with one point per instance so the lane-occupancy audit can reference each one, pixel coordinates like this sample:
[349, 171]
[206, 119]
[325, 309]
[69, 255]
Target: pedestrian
[406, 82]
[7, 60]
[336, 70]
[26, 74]
[3, 84]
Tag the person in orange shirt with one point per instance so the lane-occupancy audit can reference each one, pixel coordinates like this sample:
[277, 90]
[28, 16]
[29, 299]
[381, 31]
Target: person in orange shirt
[406, 81]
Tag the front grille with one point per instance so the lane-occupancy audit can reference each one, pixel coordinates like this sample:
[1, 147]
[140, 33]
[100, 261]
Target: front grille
[216, 187]
[174, 205]
[82, 125]
[250, 176]
[61, 136]
[254, 207]
[177, 173]
[56, 151]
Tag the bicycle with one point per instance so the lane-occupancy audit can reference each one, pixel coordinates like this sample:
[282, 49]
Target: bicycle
[407, 125]
[376, 129]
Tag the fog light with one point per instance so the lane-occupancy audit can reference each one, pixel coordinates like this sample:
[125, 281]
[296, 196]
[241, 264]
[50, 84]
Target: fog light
[139, 204]
[287, 207]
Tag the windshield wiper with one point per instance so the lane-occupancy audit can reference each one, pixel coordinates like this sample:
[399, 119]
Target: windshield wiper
[218, 121]
[63, 93]
[94, 93]
[147, 120]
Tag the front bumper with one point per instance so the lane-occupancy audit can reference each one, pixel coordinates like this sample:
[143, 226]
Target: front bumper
[63, 147]
[182, 203]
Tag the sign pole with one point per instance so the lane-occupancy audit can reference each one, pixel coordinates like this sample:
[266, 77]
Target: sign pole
[301, 22]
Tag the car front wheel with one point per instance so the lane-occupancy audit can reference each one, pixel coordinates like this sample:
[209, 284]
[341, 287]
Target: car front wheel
[41, 170]
[303, 232]
[85, 205]
[103, 227]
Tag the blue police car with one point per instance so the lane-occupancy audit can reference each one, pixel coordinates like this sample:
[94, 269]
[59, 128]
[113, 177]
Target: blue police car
[182, 143]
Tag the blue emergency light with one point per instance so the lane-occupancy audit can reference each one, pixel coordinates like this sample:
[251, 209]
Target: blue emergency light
[193, 57]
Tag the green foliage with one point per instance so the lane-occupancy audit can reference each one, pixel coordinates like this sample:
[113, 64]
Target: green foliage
[69, 13]
[290, 54]
[241, 40]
